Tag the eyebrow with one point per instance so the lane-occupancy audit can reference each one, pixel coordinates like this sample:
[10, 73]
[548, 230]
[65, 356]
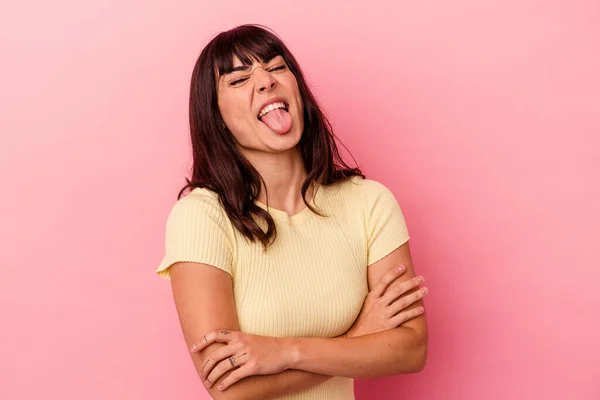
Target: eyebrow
[244, 67]
[236, 69]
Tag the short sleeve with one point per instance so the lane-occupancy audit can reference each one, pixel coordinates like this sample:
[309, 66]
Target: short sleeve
[197, 230]
[385, 224]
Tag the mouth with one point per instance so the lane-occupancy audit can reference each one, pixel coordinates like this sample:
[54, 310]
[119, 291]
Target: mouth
[271, 107]
[276, 116]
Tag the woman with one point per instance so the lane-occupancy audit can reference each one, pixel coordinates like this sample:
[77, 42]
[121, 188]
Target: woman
[291, 272]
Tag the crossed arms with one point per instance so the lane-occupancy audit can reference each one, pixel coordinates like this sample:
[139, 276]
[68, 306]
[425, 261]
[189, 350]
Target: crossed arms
[303, 362]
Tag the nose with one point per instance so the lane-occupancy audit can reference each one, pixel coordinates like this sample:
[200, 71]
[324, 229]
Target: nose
[264, 80]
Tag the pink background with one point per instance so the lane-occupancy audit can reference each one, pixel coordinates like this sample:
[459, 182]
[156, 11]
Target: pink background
[483, 117]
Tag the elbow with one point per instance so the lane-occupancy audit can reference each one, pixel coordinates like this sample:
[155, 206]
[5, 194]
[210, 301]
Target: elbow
[419, 351]
[418, 354]
[414, 360]
[419, 358]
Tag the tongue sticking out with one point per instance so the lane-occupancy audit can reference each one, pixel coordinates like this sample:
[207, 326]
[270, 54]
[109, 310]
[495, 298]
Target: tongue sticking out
[279, 120]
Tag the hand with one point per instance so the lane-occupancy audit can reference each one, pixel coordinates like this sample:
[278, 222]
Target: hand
[385, 305]
[247, 354]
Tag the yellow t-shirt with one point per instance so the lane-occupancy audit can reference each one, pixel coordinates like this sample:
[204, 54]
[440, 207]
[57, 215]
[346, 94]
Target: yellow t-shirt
[312, 281]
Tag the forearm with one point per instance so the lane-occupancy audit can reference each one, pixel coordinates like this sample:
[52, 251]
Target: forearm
[397, 351]
[269, 386]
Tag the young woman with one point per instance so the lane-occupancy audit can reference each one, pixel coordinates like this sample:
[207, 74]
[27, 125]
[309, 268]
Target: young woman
[291, 272]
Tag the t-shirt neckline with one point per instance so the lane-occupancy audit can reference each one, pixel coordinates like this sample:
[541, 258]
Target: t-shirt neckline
[295, 219]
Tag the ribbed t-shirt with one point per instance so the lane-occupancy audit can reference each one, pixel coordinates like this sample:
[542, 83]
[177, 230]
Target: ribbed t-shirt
[312, 281]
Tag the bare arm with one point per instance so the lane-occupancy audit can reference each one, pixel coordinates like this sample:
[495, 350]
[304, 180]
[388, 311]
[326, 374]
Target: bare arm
[396, 351]
[204, 300]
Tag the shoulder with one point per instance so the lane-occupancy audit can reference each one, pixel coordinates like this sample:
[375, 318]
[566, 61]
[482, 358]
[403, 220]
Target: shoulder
[358, 195]
[370, 186]
[375, 198]
[197, 230]
[200, 204]
[198, 199]
[367, 189]
[199, 196]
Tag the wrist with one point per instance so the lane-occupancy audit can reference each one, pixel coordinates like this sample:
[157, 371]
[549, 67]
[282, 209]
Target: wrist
[293, 351]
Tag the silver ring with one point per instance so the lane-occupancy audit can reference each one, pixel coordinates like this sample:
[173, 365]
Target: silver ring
[232, 362]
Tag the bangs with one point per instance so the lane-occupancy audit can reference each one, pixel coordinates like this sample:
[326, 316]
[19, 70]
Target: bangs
[248, 43]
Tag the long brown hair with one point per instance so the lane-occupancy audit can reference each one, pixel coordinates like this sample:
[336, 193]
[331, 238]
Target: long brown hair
[218, 165]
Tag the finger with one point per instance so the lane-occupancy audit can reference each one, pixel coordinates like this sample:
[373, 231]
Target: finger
[237, 375]
[224, 366]
[404, 316]
[399, 288]
[214, 358]
[387, 278]
[218, 336]
[218, 372]
[406, 301]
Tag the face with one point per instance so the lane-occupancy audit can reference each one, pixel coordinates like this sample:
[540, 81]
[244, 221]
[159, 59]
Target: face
[242, 97]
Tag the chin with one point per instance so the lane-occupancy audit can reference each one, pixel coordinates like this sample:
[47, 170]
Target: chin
[284, 144]
[280, 142]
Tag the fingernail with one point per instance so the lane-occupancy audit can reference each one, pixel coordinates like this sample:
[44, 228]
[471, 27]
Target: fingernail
[194, 348]
[421, 279]
[401, 268]
[220, 387]
[424, 290]
[420, 309]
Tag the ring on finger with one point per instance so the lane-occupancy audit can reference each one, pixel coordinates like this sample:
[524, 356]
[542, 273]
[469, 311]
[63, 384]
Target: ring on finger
[233, 360]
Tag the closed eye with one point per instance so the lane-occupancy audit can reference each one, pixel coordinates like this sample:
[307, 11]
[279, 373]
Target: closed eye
[240, 80]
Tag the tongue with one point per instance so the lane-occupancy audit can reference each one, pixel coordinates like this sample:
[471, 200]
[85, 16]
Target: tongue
[279, 120]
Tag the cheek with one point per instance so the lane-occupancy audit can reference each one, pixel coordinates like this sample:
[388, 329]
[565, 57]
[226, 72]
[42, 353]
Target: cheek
[298, 97]
[300, 109]
[291, 89]
[224, 109]
[237, 119]
[300, 104]
[233, 112]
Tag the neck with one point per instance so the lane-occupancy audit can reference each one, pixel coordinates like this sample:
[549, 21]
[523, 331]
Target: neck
[283, 175]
